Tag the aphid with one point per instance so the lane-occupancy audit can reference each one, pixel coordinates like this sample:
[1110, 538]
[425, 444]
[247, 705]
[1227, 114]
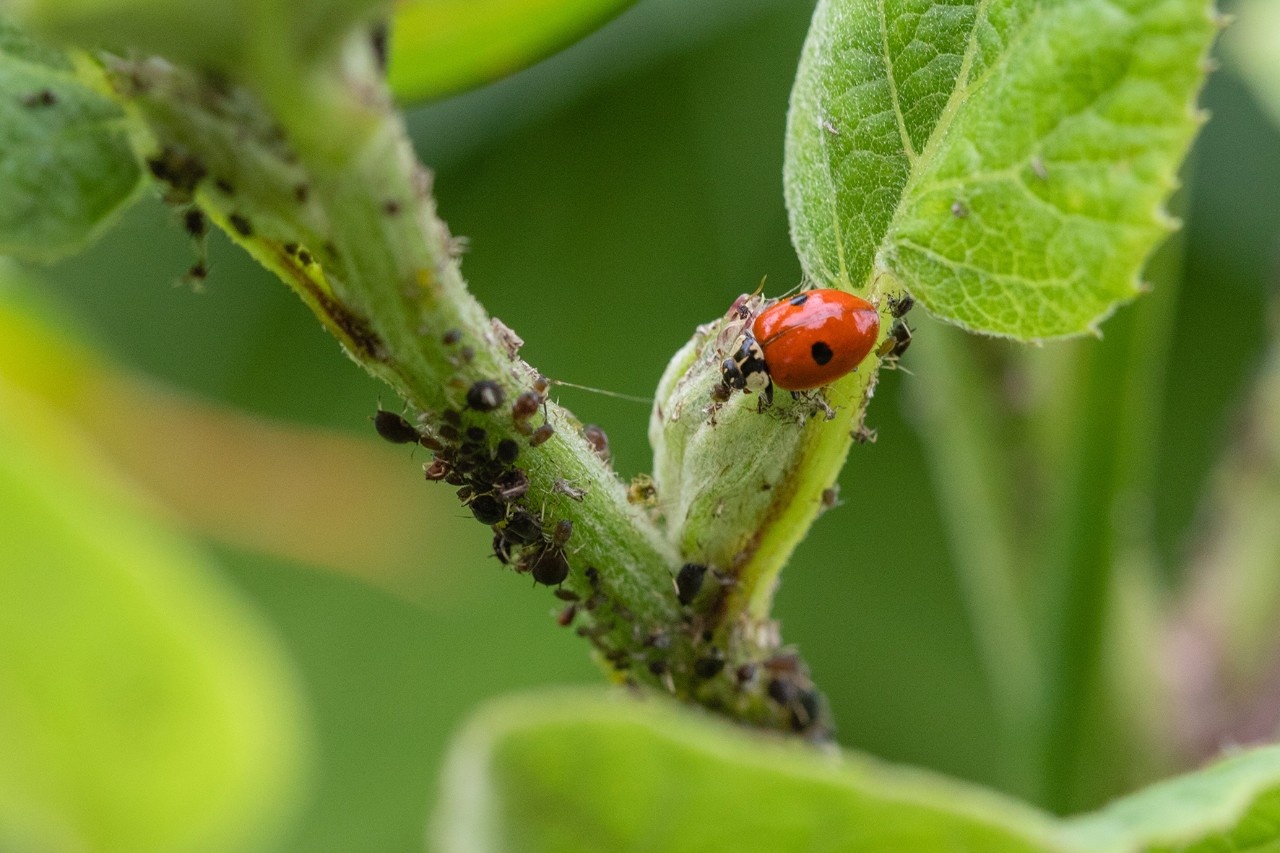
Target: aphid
[436, 470]
[526, 405]
[240, 224]
[394, 428]
[566, 616]
[487, 509]
[899, 306]
[501, 547]
[485, 395]
[541, 434]
[599, 442]
[522, 528]
[195, 223]
[547, 565]
[451, 337]
[562, 531]
[689, 582]
[508, 451]
[708, 667]
[896, 343]
[512, 485]
[807, 341]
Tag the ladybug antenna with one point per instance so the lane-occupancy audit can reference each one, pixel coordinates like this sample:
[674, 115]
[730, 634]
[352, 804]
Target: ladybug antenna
[648, 401]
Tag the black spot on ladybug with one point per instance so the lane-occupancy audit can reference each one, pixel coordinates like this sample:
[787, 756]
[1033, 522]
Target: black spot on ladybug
[485, 395]
[821, 352]
[799, 299]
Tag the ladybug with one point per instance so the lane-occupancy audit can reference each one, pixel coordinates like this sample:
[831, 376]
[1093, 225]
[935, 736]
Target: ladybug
[807, 341]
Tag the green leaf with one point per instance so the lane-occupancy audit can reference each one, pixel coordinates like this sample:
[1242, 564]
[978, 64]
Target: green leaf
[142, 706]
[1006, 162]
[444, 46]
[65, 164]
[581, 772]
[1233, 805]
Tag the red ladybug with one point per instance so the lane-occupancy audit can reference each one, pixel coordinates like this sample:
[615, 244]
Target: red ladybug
[807, 341]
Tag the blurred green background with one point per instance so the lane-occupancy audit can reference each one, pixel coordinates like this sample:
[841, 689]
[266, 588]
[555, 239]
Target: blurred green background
[613, 197]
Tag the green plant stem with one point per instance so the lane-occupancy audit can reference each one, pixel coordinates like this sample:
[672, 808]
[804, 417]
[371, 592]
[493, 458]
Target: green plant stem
[312, 172]
[386, 282]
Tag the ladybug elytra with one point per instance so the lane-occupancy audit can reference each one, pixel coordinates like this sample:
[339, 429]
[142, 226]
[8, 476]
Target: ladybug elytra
[805, 342]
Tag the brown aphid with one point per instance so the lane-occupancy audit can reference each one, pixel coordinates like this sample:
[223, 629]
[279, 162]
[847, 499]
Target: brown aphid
[541, 434]
[598, 440]
[562, 531]
[566, 616]
[526, 405]
[451, 337]
[436, 470]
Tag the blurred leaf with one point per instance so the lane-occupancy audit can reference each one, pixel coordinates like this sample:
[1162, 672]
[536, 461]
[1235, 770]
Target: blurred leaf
[580, 772]
[142, 707]
[1253, 44]
[1004, 162]
[1232, 805]
[65, 163]
[208, 36]
[577, 771]
[443, 46]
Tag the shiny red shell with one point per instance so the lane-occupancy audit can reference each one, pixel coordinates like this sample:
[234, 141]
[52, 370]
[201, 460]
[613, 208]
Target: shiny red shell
[815, 337]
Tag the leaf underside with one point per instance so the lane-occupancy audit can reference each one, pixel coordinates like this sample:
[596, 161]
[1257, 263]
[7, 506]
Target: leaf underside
[66, 168]
[1005, 162]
